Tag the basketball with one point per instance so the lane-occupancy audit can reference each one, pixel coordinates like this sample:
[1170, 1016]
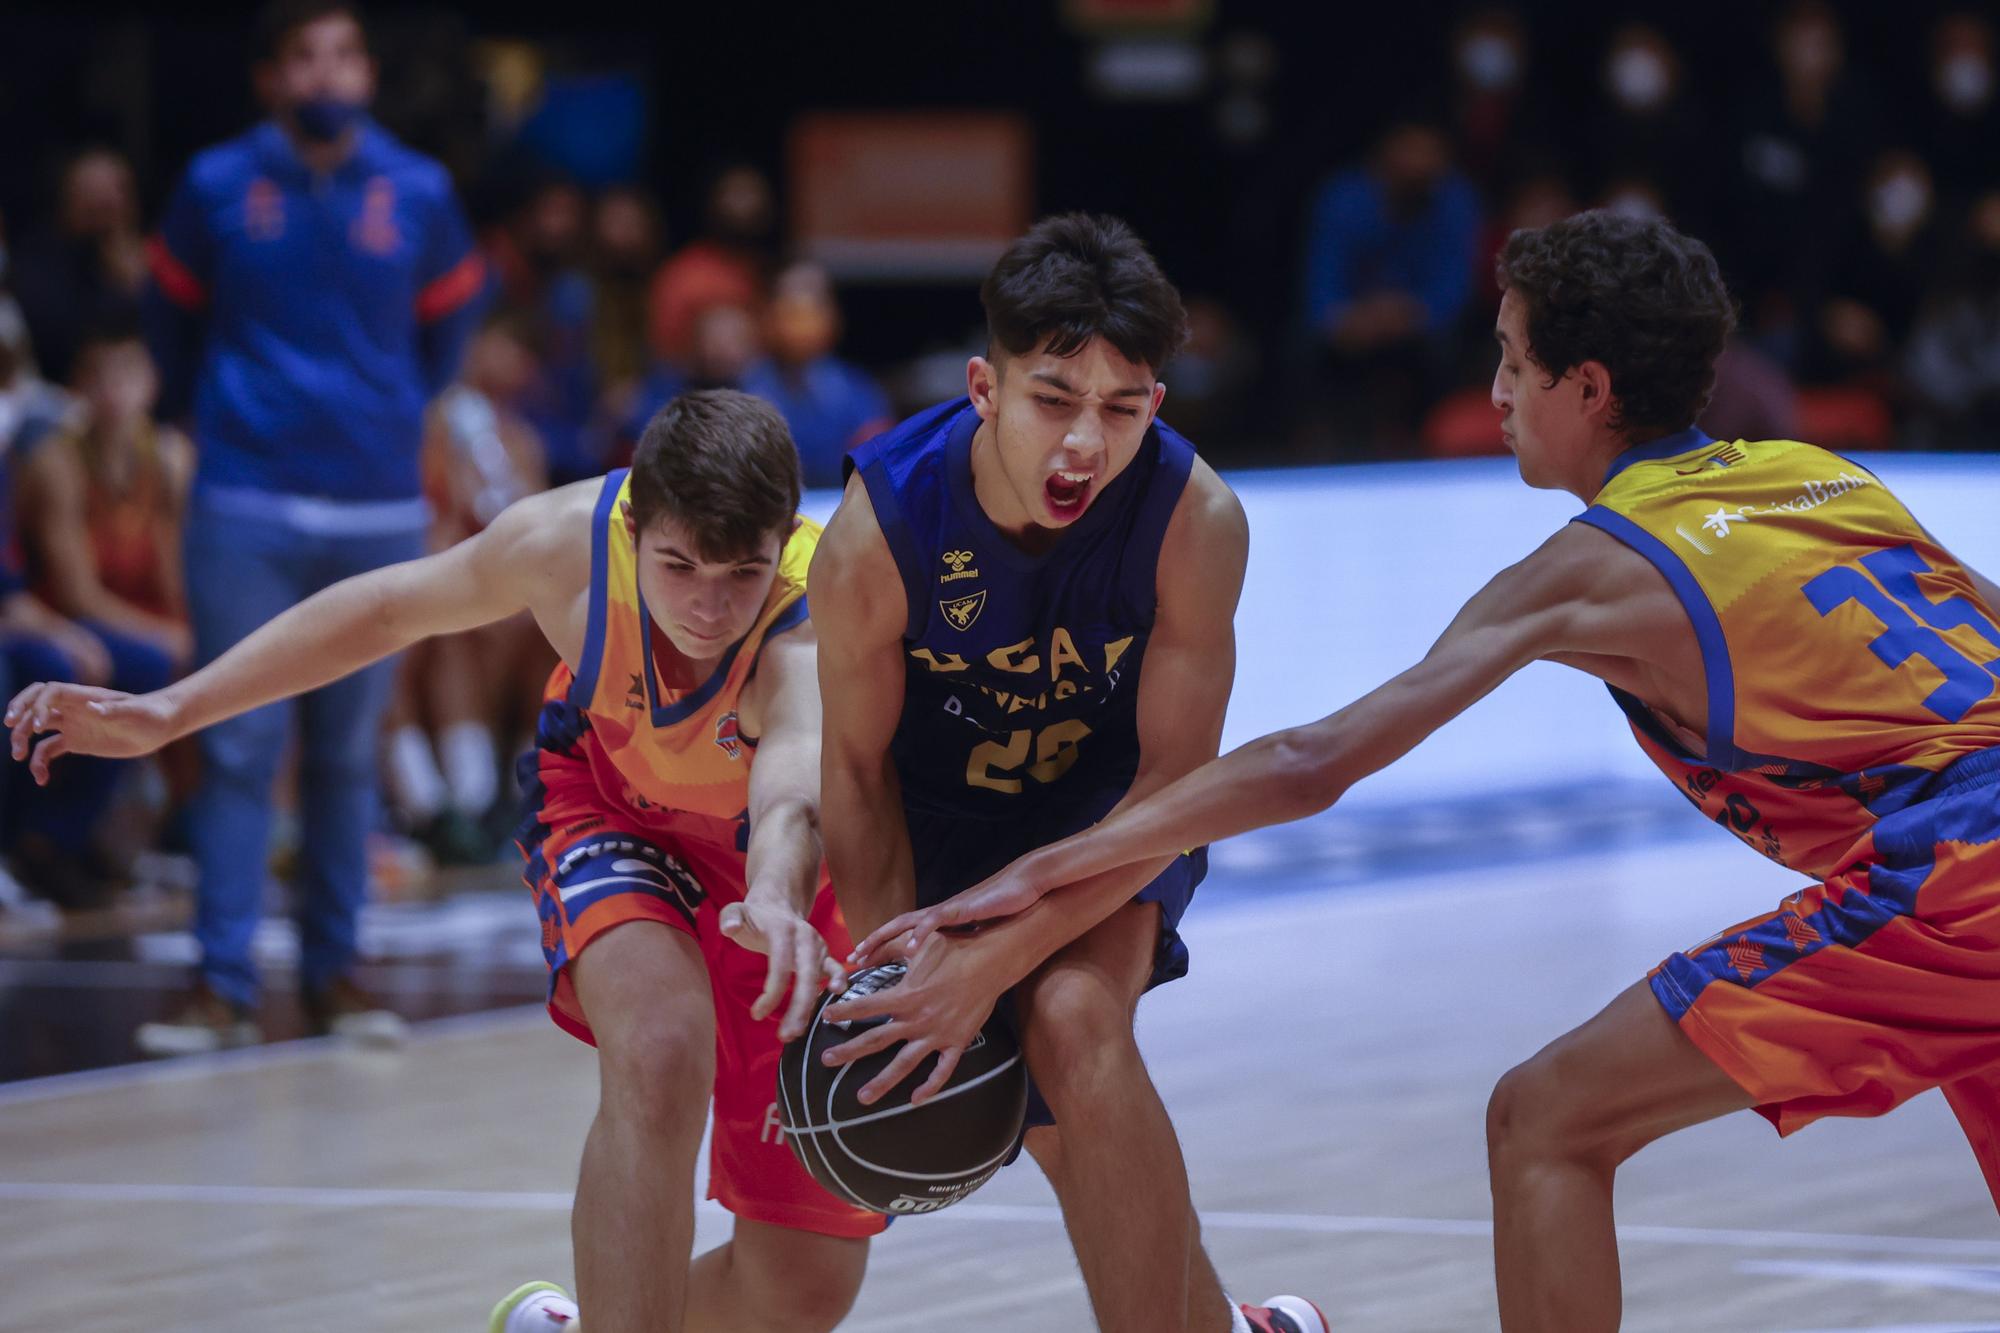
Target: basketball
[893, 1157]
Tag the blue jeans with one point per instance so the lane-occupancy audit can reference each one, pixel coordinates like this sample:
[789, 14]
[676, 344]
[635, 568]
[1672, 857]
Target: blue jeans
[67, 810]
[242, 570]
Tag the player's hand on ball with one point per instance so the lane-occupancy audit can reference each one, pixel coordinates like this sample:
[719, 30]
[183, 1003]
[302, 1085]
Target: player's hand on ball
[938, 1008]
[797, 954]
[1006, 894]
[84, 719]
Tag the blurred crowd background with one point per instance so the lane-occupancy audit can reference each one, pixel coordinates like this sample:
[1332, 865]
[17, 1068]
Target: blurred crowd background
[802, 205]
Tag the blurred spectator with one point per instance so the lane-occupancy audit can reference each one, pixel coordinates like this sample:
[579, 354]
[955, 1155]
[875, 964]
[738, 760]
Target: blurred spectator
[1637, 197]
[1649, 127]
[1803, 141]
[624, 251]
[724, 345]
[50, 829]
[831, 405]
[1388, 271]
[315, 280]
[1876, 278]
[1211, 374]
[726, 265]
[1495, 117]
[1960, 130]
[1953, 366]
[539, 253]
[1753, 398]
[459, 699]
[1543, 196]
[102, 504]
[88, 266]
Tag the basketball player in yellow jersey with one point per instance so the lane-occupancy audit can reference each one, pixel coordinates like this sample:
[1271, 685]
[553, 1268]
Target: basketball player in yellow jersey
[1798, 655]
[675, 597]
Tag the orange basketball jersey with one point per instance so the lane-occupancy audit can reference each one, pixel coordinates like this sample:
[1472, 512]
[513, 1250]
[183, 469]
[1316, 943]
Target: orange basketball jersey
[678, 755]
[1848, 659]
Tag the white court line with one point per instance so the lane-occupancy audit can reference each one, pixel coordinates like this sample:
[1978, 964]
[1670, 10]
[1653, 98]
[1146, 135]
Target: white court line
[271, 1055]
[1039, 1214]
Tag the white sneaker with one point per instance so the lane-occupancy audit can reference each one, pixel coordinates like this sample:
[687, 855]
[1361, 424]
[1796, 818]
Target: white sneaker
[538, 1307]
[1286, 1314]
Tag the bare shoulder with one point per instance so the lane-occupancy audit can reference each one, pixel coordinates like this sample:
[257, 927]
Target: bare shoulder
[1594, 593]
[853, 571]
[1207, 544]
[1208, 511]
[853, 534]
[785, 682]
[546, 538]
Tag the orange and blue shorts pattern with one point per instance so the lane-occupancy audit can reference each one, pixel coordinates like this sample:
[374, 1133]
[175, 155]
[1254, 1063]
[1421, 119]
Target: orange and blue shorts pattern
[1874, 985]
[596, 862]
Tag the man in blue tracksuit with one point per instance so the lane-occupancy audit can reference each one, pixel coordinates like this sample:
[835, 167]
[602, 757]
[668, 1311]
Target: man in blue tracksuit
[313, 283]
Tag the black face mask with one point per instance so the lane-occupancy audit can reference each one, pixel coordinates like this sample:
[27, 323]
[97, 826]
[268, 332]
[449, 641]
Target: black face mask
[325, 119]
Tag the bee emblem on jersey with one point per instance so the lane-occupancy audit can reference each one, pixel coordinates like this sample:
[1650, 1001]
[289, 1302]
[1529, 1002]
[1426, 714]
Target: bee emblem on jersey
[729, 736]
[960, 612]
[958, 560]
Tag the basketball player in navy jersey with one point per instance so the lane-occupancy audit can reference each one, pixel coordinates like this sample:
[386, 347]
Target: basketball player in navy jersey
[1025, 605]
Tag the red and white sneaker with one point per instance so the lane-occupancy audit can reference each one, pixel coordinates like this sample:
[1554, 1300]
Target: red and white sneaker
[1286, 1314]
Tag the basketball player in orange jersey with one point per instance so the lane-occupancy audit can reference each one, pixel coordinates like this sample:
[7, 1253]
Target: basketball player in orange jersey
[1798, 655]
[675, 594]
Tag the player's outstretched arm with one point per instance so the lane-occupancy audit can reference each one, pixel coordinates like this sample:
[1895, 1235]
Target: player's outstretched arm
[1562, 599]
[782, 869]
[332, 633]
[860, 612]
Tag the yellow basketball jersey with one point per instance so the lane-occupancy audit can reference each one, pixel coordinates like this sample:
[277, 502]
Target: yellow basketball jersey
[681, 753]
[1848, 658]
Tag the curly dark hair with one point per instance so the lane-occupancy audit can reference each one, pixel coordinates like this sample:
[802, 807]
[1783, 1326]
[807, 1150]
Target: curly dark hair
[1080, 276]
[722, 465]
[1634, 294]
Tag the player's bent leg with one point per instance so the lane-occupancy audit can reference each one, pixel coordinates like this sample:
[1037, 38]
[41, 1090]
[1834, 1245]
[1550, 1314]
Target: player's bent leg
[1120, 1176]
[645, 991]
[1557, 1129]
[771, 1279]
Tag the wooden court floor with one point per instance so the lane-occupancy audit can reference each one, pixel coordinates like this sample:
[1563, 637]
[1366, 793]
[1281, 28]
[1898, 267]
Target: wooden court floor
[1327, 1065]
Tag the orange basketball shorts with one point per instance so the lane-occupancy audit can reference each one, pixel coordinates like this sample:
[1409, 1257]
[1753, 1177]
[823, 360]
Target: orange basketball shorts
[594, 863]
[1879, 983]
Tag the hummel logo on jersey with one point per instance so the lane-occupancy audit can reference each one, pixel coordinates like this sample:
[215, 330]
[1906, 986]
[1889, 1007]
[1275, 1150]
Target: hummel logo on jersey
[958, 560]
[635, 693]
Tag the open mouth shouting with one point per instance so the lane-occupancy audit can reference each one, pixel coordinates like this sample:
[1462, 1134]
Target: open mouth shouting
[1067, 493]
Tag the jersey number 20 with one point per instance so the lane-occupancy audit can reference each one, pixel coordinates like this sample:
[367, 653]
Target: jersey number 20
[993, 764]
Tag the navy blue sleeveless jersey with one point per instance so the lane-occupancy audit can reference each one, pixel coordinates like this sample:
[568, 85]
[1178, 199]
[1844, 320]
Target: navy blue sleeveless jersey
[1021, 671]
[1020, 720]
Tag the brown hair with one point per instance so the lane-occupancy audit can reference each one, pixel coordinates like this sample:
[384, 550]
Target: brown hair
[722, 465]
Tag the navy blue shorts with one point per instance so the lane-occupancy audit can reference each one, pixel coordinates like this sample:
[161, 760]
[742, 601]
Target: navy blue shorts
[952, 854]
